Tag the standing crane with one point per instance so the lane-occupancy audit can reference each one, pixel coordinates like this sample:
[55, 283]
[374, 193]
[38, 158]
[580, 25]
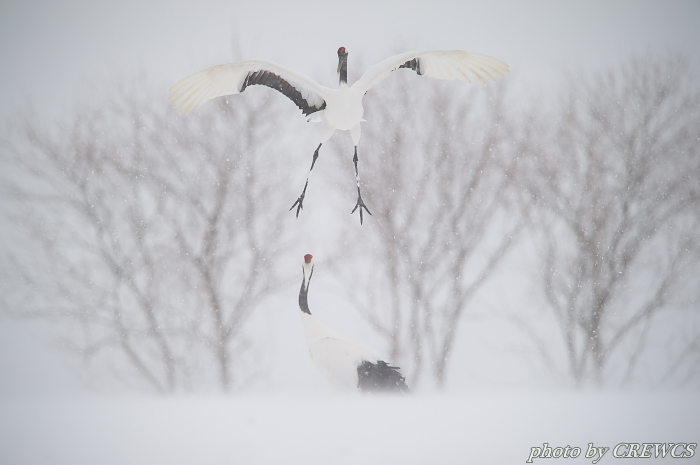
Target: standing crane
[339, 108]
[347, 364]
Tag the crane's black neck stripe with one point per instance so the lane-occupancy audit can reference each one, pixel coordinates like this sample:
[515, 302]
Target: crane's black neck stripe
[414, 65]
[273, 81]
[303, 292]
[344, 72]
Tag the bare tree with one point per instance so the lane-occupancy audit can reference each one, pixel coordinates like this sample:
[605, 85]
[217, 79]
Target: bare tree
[149, 236]
[615, 172]
[437, 167]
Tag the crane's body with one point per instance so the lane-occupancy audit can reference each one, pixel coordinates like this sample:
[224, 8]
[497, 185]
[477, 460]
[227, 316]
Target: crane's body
[335, 355]
[343, 108]
[339, 108]
[346, 363]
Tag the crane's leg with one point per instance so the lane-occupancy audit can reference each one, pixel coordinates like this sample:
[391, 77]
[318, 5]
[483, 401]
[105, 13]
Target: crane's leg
[360, 204]
[300, 201]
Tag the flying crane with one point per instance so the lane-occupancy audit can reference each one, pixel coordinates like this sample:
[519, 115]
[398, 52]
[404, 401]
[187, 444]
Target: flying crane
[339, 108]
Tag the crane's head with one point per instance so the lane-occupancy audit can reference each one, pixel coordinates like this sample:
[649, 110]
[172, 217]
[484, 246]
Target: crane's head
[308, 270]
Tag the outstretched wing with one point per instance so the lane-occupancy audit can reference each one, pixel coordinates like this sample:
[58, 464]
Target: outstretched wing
[439, 64]
[233, 78]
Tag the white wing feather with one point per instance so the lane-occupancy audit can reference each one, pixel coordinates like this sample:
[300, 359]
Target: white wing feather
[221, 80]
[335, 355]
[338, 358]
[439, 64]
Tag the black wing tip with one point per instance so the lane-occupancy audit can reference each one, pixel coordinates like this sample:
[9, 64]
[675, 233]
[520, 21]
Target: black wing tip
[380, 377]
[414, 65]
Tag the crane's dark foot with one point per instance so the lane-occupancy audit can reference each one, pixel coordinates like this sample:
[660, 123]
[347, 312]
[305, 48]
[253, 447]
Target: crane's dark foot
[299, 203]
[360, 204]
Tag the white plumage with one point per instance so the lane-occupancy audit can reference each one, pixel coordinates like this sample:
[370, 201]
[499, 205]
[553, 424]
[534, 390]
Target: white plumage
[335, 355]
[346, 363]
[339, 108]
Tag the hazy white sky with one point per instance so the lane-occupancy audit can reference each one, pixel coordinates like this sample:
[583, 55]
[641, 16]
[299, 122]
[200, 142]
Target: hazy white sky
[52, 51]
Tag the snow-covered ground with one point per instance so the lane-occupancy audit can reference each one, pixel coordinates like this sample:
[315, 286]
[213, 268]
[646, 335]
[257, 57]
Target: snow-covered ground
[475, 428]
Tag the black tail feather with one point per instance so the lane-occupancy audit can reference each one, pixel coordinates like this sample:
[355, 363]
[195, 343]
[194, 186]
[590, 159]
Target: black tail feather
[380, 377]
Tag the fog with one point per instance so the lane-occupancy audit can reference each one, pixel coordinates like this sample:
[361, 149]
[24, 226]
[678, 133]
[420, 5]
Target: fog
[530, 263]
